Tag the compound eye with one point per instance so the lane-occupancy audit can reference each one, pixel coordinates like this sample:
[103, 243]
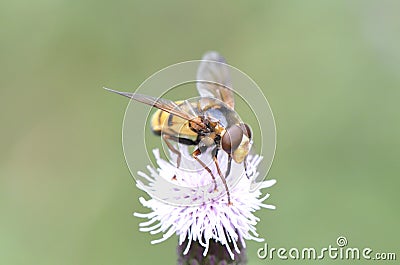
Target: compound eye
[232, 139]
[246, 130]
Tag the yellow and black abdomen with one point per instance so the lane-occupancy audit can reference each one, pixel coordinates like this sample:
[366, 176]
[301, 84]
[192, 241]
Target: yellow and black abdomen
[157, 121]
[164, 122]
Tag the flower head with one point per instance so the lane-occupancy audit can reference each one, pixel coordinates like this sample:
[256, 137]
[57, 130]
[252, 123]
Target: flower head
[209, 217]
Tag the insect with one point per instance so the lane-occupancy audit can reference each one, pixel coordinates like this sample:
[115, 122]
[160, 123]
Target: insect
[208, 122]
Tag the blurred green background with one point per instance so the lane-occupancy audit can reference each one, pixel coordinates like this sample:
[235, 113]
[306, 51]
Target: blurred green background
[330, 70]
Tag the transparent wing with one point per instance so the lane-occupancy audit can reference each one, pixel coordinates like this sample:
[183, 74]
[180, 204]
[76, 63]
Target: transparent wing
[213, 70]
[160, 103]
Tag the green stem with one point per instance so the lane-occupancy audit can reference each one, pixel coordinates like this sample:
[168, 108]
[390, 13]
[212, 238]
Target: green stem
[217, 254]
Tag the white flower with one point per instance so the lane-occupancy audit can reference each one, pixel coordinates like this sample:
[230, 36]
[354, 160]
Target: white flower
[211, 218]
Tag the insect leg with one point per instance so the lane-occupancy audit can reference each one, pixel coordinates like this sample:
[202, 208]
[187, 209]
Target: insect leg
[245, 167]
[195, 154]
[228, 169]
[166, 139]
[222, 177]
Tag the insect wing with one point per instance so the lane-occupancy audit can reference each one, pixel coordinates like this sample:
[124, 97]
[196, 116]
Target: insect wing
[160, 103]
[213, 79]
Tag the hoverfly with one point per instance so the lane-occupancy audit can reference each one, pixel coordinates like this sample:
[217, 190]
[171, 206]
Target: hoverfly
[208, 123]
